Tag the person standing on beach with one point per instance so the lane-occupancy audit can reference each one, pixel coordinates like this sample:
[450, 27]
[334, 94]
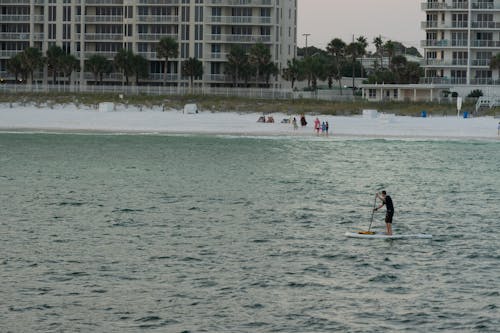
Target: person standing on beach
[498, 129]
[317, 124]
[387, 201]
[327, 127]
[323, 128]
[294, 122]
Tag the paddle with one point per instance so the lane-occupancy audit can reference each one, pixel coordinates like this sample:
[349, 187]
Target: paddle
[371, 220]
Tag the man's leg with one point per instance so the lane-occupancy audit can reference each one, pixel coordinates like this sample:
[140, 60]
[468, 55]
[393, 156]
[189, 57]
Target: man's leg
[389, 228]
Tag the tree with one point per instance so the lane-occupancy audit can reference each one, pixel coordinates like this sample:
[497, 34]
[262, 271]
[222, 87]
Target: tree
[259, 56]
[69, 63]
[270, 70]
[15, 66]
[139, 67]
[293, 72]
[337, 48]
[53, 58]
[390, 48]
[315, 69]
[495, 62]
[379, 43]
[124, 62]
[192, 68]
[31, 60]
[98, 65]
[355, 51]
[237, 63]
[167, 48]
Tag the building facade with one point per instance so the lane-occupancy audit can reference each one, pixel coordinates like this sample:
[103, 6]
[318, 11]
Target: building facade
[461, 38]
[204, 29]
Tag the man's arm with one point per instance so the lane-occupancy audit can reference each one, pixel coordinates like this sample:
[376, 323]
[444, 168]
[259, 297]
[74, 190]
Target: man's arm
[381, 199]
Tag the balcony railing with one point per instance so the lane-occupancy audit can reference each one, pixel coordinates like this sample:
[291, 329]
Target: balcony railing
[156, 37]
[485, 5]
[481, 62]
[159, 2]
[234, 3]
[15, 18]
[443, 62]
[239, 19]
[102, 37]
[158, 18]
[486, 43]
[445, 6]
[240, 38]
[485, 25]
[14, 2]
[100, 18]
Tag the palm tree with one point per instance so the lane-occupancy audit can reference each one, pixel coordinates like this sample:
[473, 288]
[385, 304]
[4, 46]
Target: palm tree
[139, 67]
[192, 68]
[378, 42]
[53, 58]
[98, 65]
[31, 60]
[124, 61]
[293, 71]
[69, 63]
[237, 63]
[270, 70]
[495, 63]
[315, 69]
[390, 48]
[259, 56]
[354, 50]
[15, 66]
[167, 48]
[337, 49]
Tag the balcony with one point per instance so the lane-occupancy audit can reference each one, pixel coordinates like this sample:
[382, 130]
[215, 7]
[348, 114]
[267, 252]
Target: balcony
[440, 6]
[217, 56]
[486, 43]
[158, 18]
[239, 38]
[484, 81]
[479, 5]
[236, 3]
[156, 37]
[14, 2]
[102, 2]
[102, 37]
[217, 78]
[99, 18]
[15, 18]
[445, 63]
[481, 62]
[255, 20]
[485, 25]
[159, 2]
[161, 76]
[9, 53]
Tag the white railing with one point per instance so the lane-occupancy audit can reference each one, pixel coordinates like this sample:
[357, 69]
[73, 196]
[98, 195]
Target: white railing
[158, 18]
[255, 93]
[239, 19]
[241, 2]
[240, 38]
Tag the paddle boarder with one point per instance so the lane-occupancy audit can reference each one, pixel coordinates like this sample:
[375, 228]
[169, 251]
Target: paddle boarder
[387, 201]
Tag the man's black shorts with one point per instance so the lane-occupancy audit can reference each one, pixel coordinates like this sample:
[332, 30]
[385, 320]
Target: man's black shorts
[388, 217]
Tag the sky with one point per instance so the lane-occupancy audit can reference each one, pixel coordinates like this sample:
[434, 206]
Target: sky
[397, 20]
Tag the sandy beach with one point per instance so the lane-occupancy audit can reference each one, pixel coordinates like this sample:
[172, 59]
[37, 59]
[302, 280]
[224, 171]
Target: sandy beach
[132, 119]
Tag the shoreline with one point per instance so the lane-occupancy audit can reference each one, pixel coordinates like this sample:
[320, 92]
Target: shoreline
[70, 119]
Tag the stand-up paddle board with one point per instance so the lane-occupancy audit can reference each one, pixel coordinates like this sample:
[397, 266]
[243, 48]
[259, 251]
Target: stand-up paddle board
[382, 235]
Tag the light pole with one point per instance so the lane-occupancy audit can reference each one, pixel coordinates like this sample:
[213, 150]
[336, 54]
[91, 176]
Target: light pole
[306, 35]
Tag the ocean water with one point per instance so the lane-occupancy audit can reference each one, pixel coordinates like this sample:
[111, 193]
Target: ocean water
[132, 233]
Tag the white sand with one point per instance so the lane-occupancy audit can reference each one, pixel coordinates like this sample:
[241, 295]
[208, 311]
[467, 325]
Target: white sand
[131, 119]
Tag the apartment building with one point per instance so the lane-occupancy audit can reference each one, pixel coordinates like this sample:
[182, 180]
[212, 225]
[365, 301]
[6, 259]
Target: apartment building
[461, 38]
[204, 29]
